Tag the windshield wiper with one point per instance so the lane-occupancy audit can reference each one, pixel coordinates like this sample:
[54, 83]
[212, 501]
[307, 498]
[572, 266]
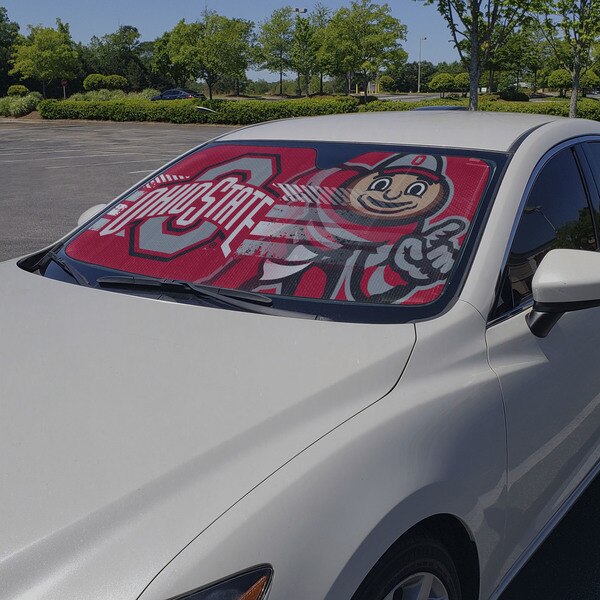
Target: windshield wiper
[65, 266]
[240, 299]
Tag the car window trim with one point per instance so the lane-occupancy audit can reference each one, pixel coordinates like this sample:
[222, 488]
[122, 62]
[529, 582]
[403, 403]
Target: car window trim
[570, 143]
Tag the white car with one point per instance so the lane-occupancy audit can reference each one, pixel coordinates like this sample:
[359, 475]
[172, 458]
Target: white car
[338, 358]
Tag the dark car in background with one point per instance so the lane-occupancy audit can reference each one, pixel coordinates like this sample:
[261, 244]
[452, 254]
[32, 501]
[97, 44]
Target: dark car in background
[178, 94]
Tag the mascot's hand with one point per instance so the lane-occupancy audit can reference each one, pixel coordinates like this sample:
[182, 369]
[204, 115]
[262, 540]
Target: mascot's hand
[428, 257]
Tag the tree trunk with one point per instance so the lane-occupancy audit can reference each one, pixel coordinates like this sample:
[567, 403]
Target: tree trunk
[366, 90]
[210, 87]
[321, 83]
[44, 89]
[576, 73]
[348, 83]
[280, 82]
[474, 66]
[237, 86]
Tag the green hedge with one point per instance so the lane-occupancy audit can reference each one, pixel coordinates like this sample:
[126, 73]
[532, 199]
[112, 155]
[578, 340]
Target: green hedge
[246, 112]
[393, 105]
[586, 109]
[242, 112]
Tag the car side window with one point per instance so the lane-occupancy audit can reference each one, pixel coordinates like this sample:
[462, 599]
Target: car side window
[592, 152]
[556, 215]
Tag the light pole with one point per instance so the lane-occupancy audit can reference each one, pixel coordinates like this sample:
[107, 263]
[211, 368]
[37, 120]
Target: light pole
[421, 40]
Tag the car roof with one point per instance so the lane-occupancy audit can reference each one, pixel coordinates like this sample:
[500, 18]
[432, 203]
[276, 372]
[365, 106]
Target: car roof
[492, 131]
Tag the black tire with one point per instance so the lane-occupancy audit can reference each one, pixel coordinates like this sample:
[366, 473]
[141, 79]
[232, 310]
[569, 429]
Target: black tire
[415, 554]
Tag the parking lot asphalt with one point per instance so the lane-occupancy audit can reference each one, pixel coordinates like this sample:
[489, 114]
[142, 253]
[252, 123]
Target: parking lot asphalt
[52, 171]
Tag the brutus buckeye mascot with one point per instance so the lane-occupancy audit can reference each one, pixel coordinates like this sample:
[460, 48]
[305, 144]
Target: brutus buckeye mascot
[374, 239]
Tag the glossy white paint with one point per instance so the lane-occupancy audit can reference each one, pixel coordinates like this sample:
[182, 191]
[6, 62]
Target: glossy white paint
[567, 276]
[324, 519]
[143, 420]
[483, 131]
[551, 390]
[148, 448]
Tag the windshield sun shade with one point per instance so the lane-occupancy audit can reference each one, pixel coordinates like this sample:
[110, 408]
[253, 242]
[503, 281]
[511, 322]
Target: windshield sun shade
[336, 222]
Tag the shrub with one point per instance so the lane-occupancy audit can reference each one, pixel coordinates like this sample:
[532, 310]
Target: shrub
[388, 105]
[242, 112]
[116, 82]
[18, 106]
[17, 90]
[102, 95]
[513, 95]
[147, 94]
[95, 81]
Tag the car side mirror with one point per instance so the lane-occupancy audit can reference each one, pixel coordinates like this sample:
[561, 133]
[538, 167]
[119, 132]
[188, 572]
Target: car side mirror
[90, 213]
[566, 280]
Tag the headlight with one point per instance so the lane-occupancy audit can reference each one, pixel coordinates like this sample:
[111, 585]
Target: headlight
[249, 585]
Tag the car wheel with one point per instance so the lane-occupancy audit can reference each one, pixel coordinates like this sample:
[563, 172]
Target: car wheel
[418, 568]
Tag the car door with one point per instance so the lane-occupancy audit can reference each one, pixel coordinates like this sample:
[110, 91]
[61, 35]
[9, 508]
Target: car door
[550, 386]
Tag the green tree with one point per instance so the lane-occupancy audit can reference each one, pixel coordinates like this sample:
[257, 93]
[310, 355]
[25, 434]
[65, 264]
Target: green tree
[461, 82]
[46, 54]
[589, 80]
[119, 53]
[442, 83]
[387, 83]
[303, 54]
[479, 28]
[212, 49]
[162, 66]
[362, 39]
[9, 35]
[518, 54]
[454, 68]
[274, 40]
[560, 79]
[571, 27]
[319, 18]
[406, 80]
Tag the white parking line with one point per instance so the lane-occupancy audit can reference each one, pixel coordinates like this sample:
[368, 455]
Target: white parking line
[36, 151]
[108, 153]
[134, 172]
[101, 164]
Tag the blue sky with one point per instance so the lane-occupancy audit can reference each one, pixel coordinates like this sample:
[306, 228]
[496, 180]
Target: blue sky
[153, 18]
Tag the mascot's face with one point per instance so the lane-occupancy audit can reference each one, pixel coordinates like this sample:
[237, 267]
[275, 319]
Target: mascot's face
[400, 196]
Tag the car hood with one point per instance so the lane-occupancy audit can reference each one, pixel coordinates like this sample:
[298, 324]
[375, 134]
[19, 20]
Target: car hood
[128, 424]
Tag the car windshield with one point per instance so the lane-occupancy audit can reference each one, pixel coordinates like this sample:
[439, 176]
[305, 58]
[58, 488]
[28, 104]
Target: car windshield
[330, 222]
